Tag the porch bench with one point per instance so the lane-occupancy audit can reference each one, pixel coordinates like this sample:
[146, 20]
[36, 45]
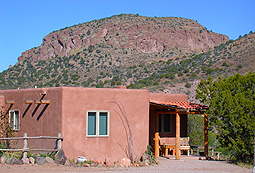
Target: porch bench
[169, 143]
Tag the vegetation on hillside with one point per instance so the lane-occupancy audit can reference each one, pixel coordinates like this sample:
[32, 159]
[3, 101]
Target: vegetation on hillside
[97, 66]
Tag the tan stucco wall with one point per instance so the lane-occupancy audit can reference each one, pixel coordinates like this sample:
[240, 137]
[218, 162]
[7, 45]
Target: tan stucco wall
[36, 120]
[76, 103]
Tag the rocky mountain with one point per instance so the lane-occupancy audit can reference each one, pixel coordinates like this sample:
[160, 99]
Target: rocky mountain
[166, 55]
[128, 32]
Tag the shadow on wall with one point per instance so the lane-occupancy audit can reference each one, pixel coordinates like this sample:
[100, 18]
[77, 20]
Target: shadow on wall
[41, 113]
[26, 110]
[37, 106]
[9, 108]
[35, 110]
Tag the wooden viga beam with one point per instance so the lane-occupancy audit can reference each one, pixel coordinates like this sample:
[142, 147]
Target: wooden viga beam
[9, 101]
[42, 101]
[29, 101]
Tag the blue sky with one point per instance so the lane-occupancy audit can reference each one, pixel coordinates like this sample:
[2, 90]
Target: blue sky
[24, 23]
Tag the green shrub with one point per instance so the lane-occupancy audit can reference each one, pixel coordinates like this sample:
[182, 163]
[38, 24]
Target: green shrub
[209, 71]
[188, 85]
[225, 64]
[169, 61]
[75, 77]
[186, 70]
[100, 85]
[239, 66]
[113, 83]
[149, 152]
[170, 75]
[180, 73]
[193, 75]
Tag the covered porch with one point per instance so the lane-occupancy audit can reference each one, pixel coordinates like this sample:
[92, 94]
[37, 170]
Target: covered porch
[168, 126]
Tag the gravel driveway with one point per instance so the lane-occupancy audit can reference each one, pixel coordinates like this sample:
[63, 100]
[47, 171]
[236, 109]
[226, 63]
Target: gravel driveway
[185, 164]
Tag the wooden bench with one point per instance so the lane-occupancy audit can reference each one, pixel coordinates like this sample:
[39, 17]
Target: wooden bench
[169, 143]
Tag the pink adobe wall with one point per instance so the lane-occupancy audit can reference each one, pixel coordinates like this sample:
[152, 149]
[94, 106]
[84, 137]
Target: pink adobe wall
[169, 97]
[67, 112]
[2, 100]
[36, 120]
[76, 103]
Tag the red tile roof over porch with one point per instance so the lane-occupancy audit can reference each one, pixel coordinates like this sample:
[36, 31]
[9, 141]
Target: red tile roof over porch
[181, 105]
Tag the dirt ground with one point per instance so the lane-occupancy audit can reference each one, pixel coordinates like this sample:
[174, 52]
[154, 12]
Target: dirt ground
[185, 164]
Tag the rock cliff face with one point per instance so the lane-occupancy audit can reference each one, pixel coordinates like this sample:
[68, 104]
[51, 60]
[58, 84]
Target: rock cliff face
[145, 34]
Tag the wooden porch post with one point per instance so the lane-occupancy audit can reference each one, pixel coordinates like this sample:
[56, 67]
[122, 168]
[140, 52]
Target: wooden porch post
[205, 135]
[177, 138]
[156, 153]
[156, 144]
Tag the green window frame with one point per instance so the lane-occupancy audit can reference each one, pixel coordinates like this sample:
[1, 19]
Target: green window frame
[98, 123]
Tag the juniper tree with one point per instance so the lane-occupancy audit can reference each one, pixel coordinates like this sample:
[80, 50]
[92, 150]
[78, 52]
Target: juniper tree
[231, 113]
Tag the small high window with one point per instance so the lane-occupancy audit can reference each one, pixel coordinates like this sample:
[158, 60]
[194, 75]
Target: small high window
[98, 123]
[14, 119]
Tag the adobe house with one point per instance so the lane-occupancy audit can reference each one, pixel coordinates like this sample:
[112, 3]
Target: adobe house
[98, 123]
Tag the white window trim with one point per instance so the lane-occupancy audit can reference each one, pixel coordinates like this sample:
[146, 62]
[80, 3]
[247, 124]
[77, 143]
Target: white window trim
[15, 125]
[97, 123]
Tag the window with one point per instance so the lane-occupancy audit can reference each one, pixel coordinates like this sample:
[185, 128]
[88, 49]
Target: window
[98, 123]
[14, 119]
[165, 123]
